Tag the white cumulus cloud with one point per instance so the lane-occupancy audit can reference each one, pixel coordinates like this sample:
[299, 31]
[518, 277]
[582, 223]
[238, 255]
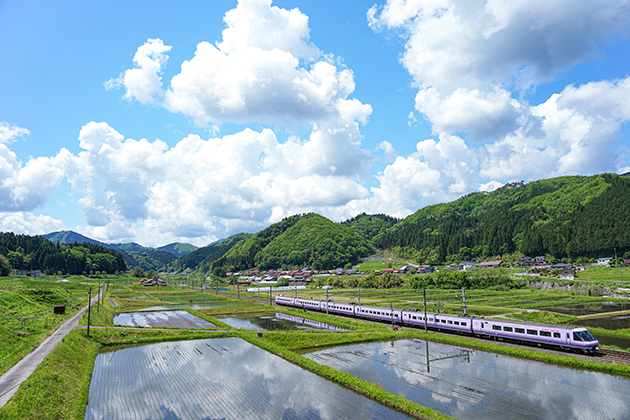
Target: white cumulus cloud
[475, 63]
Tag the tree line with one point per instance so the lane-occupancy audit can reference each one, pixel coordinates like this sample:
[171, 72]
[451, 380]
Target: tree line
[24, 252]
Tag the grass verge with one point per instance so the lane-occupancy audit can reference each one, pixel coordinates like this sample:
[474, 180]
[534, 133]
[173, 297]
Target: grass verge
[58, 389]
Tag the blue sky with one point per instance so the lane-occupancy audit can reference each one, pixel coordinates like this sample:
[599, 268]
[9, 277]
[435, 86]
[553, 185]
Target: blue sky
[158, 122]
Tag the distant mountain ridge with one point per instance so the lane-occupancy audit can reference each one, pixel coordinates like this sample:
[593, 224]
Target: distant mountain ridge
[135, 255]
[68, 236]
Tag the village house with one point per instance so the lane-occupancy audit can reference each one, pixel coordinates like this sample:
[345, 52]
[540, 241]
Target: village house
[527, 261]
[491, 264]
[465, 265]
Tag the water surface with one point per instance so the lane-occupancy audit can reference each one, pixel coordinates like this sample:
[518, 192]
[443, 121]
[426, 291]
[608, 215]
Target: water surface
[615, 322]
[180, 319]
[225, 378]
[589, 308]
[469, 384]
[276, 322]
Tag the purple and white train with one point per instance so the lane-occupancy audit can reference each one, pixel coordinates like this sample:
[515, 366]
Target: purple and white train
[539, 334]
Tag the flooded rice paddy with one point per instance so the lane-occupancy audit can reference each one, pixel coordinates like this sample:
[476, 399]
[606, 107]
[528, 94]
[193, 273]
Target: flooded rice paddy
[225, 378]
[276, 322]
[196, 306]
[589, 308]
[179, 319]
[615, 322]
[469, 384]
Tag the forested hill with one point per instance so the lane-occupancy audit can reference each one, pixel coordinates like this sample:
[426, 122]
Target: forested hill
[135, 255]
[566, 217]
[38, 253]
[307, 240]
[371, 225]
[203, 257]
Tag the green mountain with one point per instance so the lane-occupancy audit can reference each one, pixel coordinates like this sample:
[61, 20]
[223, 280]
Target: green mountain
[296, 241]
[202, 258]
[178, 249]
[134, 255]
[69, 237]
[38, 253]
[569, 216]
[371, 225]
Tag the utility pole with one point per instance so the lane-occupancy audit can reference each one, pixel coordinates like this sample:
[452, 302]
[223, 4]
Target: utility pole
[89, 302]
[426, 321]
[326, 301]
[619, 265]
[359, 293]
[98, 300]
[464, 297]
[269, 294]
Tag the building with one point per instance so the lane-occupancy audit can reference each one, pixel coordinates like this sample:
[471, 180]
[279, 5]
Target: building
[490, 264]
[567, 274]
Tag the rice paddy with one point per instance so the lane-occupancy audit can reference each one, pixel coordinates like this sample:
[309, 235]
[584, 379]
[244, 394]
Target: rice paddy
[226, 378]
[469, 384]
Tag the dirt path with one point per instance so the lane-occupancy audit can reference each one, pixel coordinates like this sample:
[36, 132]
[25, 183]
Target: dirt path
[13, 378]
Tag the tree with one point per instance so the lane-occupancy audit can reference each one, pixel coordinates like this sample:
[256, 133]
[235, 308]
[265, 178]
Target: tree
[5, 266]
[138, 272]
[152, 274]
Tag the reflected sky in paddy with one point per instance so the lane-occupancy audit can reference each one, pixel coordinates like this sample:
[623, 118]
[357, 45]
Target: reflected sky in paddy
[470, 384]
[179, 319]
[278, 322]
[225, 378]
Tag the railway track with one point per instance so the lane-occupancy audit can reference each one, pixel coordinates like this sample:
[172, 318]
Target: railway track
[615, 355]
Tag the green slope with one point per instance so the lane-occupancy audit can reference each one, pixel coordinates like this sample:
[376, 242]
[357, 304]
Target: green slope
[302, 240]
[202, 258]
[371, 225]
[565, 217]
[178, 249]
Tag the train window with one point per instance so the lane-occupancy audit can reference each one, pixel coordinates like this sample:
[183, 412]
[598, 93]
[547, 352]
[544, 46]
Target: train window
[450, 322]
[456, 322]
[545, 333]
[413, 317]
[556, 335]
[583, 336]
[431, 319]
[496, 327]
[532, 332]
[464, 324]
[508, 329]
[443, 321]
[519, 330]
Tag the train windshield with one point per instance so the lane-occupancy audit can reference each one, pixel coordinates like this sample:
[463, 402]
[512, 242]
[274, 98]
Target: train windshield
[583, 336]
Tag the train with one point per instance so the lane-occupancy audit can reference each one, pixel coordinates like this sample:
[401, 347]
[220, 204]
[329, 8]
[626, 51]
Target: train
[562, 337]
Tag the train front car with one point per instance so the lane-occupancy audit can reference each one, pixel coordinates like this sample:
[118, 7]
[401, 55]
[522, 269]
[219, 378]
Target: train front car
[584, 340]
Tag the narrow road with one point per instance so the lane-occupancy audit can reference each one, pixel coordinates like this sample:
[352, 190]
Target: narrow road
[13, 378]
